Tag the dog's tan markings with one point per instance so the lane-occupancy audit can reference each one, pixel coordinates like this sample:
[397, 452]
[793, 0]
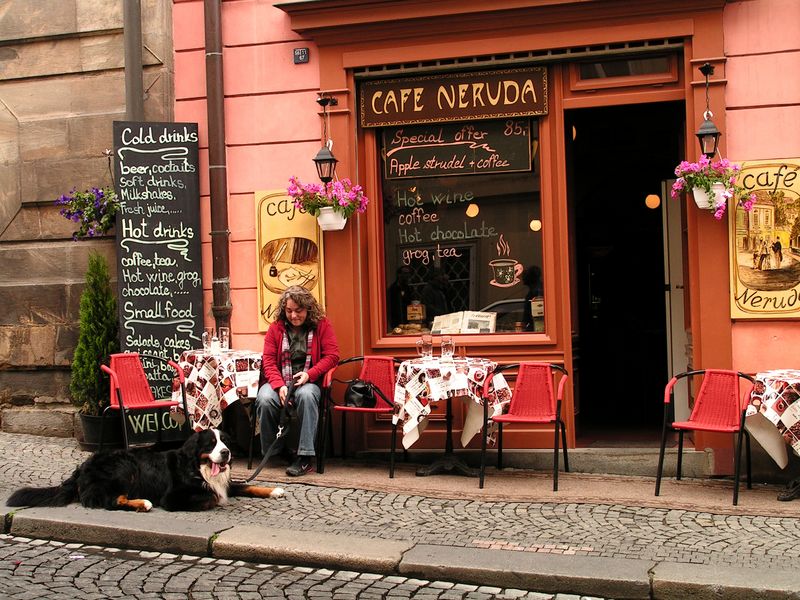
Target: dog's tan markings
[256, 491]
[137, 504]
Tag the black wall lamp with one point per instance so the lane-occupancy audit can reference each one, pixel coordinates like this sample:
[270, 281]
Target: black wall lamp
[325, 161]
[708, 134]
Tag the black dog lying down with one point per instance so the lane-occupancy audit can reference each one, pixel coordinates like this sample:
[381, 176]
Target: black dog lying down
[195, 477]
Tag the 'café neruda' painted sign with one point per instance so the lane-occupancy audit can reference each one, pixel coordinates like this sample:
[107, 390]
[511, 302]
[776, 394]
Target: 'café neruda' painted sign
[765, 243]
[502, 93]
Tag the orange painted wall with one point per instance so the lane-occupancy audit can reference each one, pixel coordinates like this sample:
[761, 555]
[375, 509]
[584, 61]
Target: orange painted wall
[272, 130]
[762, 98]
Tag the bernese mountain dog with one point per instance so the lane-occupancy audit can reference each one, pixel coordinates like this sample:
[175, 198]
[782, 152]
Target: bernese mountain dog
[195, 477]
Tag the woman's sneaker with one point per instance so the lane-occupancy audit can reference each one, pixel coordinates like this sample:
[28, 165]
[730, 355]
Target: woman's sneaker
[301, 466]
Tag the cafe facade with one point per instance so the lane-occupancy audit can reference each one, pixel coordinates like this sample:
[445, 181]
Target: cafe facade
[518, 157]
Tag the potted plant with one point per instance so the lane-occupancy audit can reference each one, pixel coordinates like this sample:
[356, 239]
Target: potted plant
[94, 210]
[713, 183]
[98, 338]
[332, 203]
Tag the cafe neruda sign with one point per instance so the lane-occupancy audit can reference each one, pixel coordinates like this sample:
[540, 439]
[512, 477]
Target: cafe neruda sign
[454, 97]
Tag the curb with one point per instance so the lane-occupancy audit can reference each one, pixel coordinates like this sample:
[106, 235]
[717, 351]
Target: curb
[619, 578]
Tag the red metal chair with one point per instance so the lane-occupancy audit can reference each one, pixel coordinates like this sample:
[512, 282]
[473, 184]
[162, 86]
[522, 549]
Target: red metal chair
[718, 406]
[130, 390]
[378, 370]
[533, 400]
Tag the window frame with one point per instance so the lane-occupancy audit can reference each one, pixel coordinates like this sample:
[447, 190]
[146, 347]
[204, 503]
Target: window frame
[579, 84]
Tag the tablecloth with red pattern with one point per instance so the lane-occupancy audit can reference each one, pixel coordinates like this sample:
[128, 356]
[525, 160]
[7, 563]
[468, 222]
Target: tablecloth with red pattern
[214, 381]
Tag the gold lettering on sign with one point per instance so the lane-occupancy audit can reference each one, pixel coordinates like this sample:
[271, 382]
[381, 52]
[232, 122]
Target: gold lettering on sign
[507, 91]
[454, 96]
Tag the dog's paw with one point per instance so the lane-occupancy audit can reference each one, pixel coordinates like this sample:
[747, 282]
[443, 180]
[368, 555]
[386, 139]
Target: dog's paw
[277, 493]
[146, 506]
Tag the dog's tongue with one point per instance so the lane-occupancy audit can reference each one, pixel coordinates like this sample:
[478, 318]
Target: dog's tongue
[214, 469]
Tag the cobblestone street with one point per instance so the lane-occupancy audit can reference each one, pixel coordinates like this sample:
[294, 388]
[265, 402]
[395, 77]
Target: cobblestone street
[33, 569]
[570, 528]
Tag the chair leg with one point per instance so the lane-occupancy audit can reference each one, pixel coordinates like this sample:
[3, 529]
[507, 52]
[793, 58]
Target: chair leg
[344, 434]
[680, 454]
[661, 457]
[737, 465]
[322, 447]
[499, 446]
[391, 454]
[749, 465]
[483, 457]
[483, 432]
[564, 444]
[252, 433]
[555, 457]
[122, 415]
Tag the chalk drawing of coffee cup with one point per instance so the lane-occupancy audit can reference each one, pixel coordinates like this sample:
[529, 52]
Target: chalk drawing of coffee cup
[506, 272]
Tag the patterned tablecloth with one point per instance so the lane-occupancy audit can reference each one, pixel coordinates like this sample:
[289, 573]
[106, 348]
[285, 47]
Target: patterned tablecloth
[216, 380]
[773, 415]
[421, 381]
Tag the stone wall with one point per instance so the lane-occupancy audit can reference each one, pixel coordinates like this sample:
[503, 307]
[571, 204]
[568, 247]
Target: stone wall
[62, 84]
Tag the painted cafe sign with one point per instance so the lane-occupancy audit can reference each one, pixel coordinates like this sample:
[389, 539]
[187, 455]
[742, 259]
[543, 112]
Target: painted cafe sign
[765, 243]
[502, 93]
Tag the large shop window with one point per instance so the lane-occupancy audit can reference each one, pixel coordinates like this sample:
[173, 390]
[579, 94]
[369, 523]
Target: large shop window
[462, 227]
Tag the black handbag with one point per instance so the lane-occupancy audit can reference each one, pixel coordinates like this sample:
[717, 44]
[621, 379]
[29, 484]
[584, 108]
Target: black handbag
[359, 394]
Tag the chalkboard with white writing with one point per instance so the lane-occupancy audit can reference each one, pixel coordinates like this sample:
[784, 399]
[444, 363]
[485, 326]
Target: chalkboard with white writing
[457, 148]
[160, 291]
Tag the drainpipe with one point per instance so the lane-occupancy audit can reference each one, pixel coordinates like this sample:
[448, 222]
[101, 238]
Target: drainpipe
[217, 168]
[132, 41]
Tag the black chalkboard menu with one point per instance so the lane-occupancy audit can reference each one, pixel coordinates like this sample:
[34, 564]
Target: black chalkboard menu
[460, 148]
[160, 290]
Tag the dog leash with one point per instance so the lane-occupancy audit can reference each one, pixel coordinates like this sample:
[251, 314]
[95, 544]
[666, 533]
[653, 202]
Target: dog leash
[283, 425]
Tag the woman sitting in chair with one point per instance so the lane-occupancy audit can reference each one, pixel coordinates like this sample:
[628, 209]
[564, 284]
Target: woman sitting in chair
[301, 346]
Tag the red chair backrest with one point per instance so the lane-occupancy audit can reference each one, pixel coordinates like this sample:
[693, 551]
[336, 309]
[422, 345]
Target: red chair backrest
[380, 371]
[533, 391]
[718, 403]
[132, 380]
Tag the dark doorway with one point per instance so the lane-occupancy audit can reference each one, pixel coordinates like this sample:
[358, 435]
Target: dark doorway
[616, 156]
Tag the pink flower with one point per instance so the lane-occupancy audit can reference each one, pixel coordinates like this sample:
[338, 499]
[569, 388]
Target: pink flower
[342, 195]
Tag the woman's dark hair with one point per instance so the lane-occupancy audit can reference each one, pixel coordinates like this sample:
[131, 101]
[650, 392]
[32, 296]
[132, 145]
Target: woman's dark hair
[304, 299]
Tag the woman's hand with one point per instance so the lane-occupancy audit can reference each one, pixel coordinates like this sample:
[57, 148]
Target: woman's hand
[282, 393]
[301, 378]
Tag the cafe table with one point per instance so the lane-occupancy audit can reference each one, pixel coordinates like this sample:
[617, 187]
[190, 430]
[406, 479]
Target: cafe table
[424, 380]
[215, 380]
[773, 413]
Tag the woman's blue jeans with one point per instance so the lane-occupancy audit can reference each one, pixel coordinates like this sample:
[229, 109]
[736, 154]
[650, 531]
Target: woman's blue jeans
[268, 411]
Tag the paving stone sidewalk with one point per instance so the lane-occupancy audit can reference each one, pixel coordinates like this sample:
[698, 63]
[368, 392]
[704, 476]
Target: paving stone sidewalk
[585, 529]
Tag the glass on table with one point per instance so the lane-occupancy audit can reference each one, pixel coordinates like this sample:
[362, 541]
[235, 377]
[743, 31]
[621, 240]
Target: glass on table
[225, 338]
[425, 346]
[448, 347]
[208, 335]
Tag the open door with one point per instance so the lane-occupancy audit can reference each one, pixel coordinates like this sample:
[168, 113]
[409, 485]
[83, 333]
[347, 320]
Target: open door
[677, 340]
[625, 247]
